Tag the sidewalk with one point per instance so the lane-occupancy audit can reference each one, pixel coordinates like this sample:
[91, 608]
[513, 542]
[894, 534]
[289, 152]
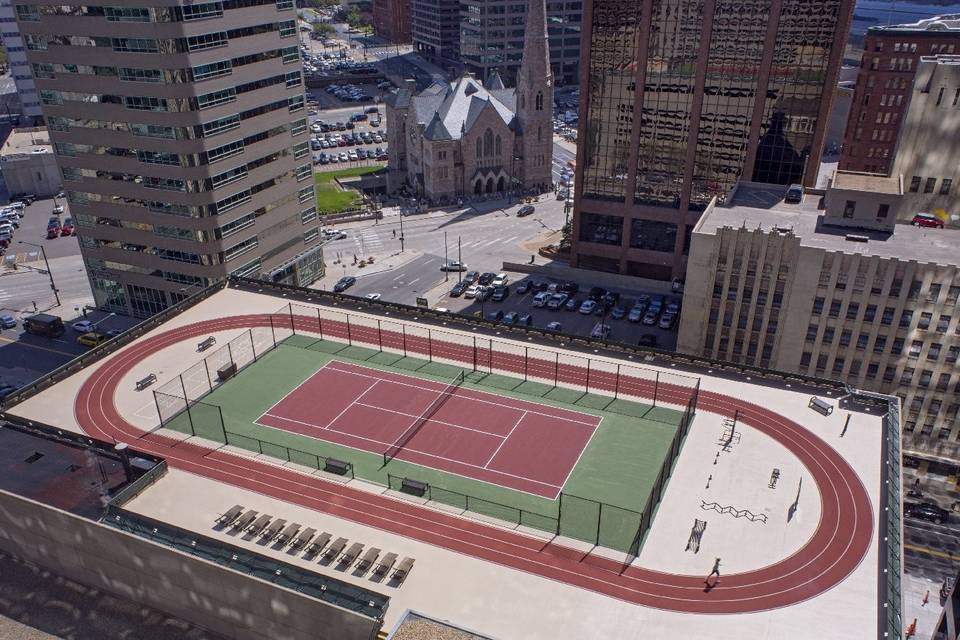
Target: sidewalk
[386, 261]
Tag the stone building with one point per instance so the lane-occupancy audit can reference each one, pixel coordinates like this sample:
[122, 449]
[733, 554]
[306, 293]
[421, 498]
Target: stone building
[470, 138]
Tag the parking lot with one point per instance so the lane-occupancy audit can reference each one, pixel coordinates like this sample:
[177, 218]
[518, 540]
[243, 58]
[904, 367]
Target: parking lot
[573, 318]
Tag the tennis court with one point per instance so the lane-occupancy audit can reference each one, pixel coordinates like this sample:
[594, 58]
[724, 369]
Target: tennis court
[517, 444]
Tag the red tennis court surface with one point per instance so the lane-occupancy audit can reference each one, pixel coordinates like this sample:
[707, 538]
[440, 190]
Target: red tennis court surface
[513, 443]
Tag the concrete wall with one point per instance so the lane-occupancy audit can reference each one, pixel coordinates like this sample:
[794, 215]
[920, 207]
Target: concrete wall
[220, 599]
[31, 173]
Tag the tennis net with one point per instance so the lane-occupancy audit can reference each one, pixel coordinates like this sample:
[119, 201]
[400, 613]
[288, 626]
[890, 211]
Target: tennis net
[422, 419]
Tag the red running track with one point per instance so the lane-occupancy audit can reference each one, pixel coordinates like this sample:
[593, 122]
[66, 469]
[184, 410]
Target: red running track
[513, 443]
[835, 549]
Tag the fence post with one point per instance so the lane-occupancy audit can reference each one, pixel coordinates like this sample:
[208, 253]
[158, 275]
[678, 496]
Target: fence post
[292, 326]
[616, 384]
[253, 347]
[474, 353]
[349, 333]
[379, 335]
[599, 519]
[230, 353]
[209, 379]
[223, 426]
[556, 369]
[403, 329]
[429, 345]
[273, 332]
[156, 401]
[588, 375]
[656, 386]
[186, 402]
[526, 362]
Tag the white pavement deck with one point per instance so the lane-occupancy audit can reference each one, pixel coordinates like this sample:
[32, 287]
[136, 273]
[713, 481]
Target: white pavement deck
[507, 603]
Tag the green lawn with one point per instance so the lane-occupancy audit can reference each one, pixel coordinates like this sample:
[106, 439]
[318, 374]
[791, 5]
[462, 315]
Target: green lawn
[618, 468]
[332, 199]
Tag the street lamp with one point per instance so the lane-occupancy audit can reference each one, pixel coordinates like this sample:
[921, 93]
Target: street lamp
[43, 252]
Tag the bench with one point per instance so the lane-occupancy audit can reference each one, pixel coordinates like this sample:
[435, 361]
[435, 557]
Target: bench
[335, 548]
[203, 345]
[271, 532]
[244, 521]
[317, 545]
[259, 524]
[303, 538]
[227, 371]
[820, 406]
[338, 467]
[288, 533]
[774, 477]
[146, 381]
[368, 558]
[230, 515]
[403, 569]
[413, 487]
[386, 563]
[350, 555]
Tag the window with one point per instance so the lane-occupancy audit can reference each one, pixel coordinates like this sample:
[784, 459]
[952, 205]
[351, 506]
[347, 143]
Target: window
[207, 41]
[925, 376]
[897, 347]
[308, 215]
[828, 334]
[240, 248]
[915, 347]
[849, 208]
[933, 353]
[310, 235]
[201, 11]
[303, 172]
[879, 344]
[835, 308]
[915, 184]
[305, 194]
[301, 149]
[812, 333]
[142, 103]
[298, 126]
[906, 318]
[883, 211]
[862, 340]
[805, 359]
[852, 310]
[930, 184]
[838, 365]
[239, 224]
[212, 70]
[134, 45]
[818, 306]
[889, 373]
[287, 28]
[870, 313]
[140, 75]
[907, 375]
[943, 382]
[127, 14]
[953, 354]
[925, 319]
[887, 318]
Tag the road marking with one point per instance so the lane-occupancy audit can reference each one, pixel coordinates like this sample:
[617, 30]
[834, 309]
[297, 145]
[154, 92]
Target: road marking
[414, 280]
[36, 346]
[931, 552]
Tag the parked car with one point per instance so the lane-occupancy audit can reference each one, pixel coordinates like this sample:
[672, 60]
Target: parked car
[92, 339]
[525, 320]
[673, 307]
[57, 207]
[556, 301]
[794, 194]
[82, 326]
[650, 318]
[647, 340]
[927, 220]
[618, 313]
[636, 313]
[610, 298]
[344, 283]
[458, 289]
[539, 285]
[496, 316]
[501, 279]
[67, 229]
[540, 300]
[572, 304]
[525, 210]
[667, 320]
[472, 291]
[569, 288]
[484, 293]
[554, 326]
[510, 317]
[600, 330]
[453, 266]
[588, 307]
[926, 511]
[486, 278]
[334, 234]
[470, 277]
[596, 293]
[523, 287]
[7, 321]
[500, 293]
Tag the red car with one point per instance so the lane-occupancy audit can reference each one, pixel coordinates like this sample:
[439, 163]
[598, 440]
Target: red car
[927, 220]
[67, 229]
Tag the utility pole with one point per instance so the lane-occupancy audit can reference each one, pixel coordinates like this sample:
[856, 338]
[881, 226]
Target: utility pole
[401, 228]
[56, 293]
[446, 260]
[459, 260]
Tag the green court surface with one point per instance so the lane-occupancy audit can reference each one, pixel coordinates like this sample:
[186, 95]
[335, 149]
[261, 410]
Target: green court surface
[601, 502]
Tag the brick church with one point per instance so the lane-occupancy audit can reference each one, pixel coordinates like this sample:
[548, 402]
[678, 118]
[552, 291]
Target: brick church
[468, 138]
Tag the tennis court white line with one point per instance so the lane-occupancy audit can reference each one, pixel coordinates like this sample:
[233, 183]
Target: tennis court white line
[411, 415]
[423, 453]
[593, 424]
[515, 425]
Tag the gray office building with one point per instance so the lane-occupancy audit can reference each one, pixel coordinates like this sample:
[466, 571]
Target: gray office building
[181, 133]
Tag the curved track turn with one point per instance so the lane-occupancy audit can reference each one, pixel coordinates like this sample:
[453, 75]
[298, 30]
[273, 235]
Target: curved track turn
[839, 543]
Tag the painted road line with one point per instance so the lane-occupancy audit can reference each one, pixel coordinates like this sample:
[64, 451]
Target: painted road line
[36, 346]
[931, 552]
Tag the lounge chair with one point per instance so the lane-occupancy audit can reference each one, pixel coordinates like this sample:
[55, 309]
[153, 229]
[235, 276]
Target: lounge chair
[386, 563]
[288, 533]
[303, 538]
[230, 515]
[335, 548]
[403, 569]
[259, 524]
[368, 558]
[271, 532]
[244, 521]
[350, 555]
[318, 545]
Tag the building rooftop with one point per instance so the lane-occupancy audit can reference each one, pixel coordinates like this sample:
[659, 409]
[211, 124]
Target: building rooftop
[795, 545]
[949, 22]
[761, 206]
[28, 140]
[873, 182]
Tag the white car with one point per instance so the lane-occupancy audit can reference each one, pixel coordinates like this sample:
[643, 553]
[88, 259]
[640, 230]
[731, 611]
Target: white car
[372, 296]
[82, 326]
[541, 299]
[57, 208]
[588, 307]
[472, 291]
[601, 331]
[501, 279]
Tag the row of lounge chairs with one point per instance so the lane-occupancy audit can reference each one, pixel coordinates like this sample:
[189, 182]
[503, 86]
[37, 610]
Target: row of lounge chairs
[280, 532]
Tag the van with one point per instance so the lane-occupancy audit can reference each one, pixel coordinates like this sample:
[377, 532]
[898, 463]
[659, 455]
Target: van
[44, 324]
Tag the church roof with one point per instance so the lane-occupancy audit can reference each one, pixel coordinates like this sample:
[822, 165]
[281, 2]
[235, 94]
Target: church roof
[449, 111]
[495, 82]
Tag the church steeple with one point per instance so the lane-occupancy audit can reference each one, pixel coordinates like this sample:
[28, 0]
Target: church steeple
[534, 102]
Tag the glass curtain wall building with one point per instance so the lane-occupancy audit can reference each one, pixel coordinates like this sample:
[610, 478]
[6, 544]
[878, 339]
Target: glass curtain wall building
[680, 99]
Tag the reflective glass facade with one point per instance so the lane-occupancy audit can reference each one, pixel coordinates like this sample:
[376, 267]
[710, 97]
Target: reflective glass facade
[722, 91]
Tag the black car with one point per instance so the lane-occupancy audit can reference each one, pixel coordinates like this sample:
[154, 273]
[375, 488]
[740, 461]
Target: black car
[458, 289]
[470, 277]
[926, 511]
[486, 278]
[525, 211]
[569, 288]
[596, 294]
[539, 285]
[610, 298]
[647, 340]
[344, 283]
[495, 316]
[526, 320]
[524, 286]
[500, 293]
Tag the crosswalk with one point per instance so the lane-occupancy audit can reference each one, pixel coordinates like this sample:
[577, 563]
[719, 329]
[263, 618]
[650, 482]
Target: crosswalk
[5, 295]
[368, 241]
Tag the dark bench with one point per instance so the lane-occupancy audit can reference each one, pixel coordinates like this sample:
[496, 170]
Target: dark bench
[227, 371]
[413, 487]
[146, 381]
[820, 406]
[338, 467]
[206, 344]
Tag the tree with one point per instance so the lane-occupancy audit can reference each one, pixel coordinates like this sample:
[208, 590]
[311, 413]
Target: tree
[565, 240]
[323, 29]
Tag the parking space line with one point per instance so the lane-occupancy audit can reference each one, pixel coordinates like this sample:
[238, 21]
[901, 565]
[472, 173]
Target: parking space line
[37, 346]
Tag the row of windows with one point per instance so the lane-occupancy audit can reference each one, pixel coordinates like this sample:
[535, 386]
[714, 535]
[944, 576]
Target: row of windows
[200, 11]
[930, 185]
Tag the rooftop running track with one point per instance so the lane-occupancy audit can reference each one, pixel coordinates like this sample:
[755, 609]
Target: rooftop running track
[834, 550]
